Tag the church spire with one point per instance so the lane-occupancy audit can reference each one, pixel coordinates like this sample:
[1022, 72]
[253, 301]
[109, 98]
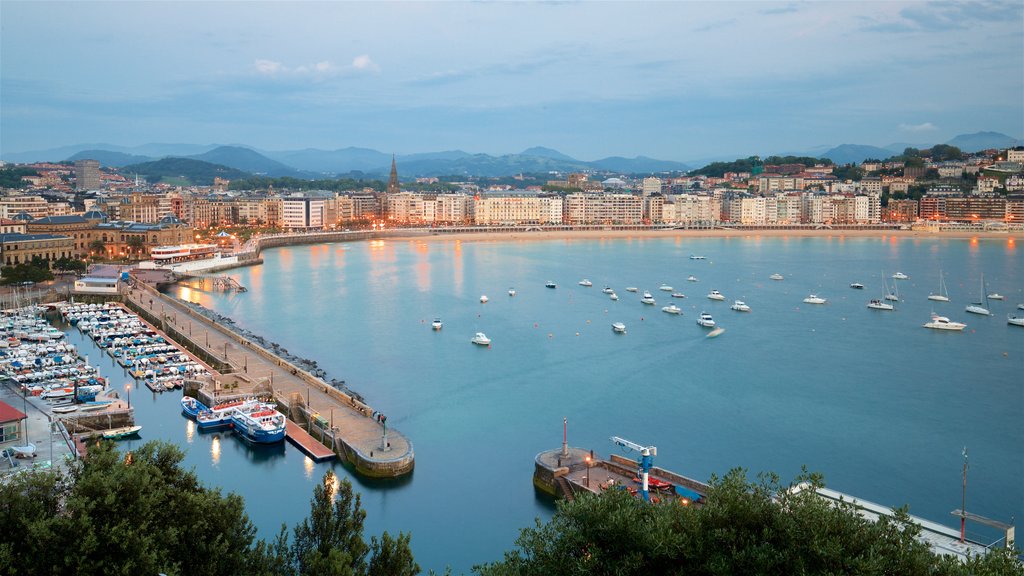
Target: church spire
[393, 187]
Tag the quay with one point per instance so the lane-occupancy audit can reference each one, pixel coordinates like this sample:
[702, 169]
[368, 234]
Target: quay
[350, 428]
[313, 448]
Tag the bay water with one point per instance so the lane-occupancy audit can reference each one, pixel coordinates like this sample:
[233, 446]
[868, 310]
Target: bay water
[878, 404]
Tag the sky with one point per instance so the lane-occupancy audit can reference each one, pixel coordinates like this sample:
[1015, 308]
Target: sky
[669, 80]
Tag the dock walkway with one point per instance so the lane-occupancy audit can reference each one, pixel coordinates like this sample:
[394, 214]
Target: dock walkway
[359, 434]
[311, 446]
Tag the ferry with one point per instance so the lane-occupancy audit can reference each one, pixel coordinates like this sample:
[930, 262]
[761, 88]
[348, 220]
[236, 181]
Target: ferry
[182, 253]
[259, 424]
[220, 415]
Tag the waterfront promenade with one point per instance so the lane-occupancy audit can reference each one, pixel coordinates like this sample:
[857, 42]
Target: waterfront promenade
[357, 432]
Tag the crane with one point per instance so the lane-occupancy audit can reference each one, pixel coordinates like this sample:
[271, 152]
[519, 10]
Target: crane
[647, 454]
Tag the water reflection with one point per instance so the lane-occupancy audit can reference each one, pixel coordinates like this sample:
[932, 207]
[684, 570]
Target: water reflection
[190, 431]
[215, 449]
[307, 465]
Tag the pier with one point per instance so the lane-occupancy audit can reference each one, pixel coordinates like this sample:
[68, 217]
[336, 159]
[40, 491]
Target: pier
[311, 446]
[348, 427]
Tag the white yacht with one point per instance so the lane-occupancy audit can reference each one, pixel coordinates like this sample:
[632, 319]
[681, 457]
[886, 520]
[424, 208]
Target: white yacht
[613, 296]
[900, 276]
[981, 306]
[585, 282]
[706, 320]
[483, 299]
[740, 306]
[857, 286]
[943, 323]
[672, 309]
[691, 279]
[608, 290]
[678, 295]
[481, 339]
[943, 295]
[665, 288]
[1015, 320]
[877, 304]
[696, 257]
[814, 299]
[550, 284]
[631, 289]
[618, 327]
[647, 298]
[776, 276]
[715, 295]
[511, 291]
[436, 324]
[995, 296]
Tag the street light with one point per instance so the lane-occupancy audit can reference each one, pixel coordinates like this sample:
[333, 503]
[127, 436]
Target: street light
[128, 393]
[588, 470]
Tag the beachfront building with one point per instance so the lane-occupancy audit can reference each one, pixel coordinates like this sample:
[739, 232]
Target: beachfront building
[900, 211]
[302, 212]
[22, 248]
[692, 209]
[582, 208]
[455, 208]
[409, 208]
[651, 186]
[517, 209]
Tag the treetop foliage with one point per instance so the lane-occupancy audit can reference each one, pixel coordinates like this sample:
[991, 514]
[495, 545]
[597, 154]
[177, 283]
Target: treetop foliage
[718, 169]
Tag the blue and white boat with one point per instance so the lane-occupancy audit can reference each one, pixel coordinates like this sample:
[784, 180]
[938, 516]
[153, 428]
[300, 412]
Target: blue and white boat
[192, 407]
[259, 425]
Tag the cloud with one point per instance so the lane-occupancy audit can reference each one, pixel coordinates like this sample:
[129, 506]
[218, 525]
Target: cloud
[363, 62]
[787, 9]
[268, 67]
[945, 16]
[717, 25]
[925, 127]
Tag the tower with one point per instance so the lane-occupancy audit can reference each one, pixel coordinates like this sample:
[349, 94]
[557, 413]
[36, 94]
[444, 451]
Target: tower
[393, 180]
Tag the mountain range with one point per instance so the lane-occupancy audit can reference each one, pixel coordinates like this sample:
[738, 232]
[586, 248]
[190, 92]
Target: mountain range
[312, 163]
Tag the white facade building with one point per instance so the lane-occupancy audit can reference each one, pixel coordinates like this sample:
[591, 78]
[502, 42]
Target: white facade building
[302, 212]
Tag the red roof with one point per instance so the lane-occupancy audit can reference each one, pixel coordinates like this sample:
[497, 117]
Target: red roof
[9, 413]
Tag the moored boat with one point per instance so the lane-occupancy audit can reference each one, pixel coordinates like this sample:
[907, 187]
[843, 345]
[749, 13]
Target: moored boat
[618, 327]
[877, 304]
[585, 282]
[943, 295]
[260, 425]
[481, 339]
[706, 320]
[550, 284]
[647, 298]
[672, 309]
[942, 323]
[900, 276]
[631, 289]
[715, 295]
[613, 296]
[511, 291]
[483, 299]
[122, 432]
[1015, 320]
[665, 288]
[437, 324]
[857, 286]
[191, 406]
[814, 299]
[740, 306]
[776, 276]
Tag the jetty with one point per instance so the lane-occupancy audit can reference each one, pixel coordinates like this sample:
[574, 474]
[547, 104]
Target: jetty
[339, 421]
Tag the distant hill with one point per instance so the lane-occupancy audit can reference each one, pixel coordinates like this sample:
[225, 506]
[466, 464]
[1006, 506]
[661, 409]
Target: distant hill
[332, 161]
[191, 170]
[109, 158]
[983, 141]
[638, 165]
[248, 160]
[547, 153]
[856, 153]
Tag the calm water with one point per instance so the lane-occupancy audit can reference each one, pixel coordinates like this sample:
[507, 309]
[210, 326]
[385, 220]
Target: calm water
[878, 404]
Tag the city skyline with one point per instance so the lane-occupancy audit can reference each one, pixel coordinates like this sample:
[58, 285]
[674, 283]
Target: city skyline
[676, 81]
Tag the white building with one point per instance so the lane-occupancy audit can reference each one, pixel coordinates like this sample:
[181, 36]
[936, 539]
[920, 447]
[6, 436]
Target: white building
[302, 212]
[651, 185]
[517, 210]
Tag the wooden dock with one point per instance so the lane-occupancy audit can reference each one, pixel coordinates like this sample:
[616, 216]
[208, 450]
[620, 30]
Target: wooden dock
[311, 446]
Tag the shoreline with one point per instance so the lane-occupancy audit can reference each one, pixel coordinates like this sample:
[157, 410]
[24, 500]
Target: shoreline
[706, 233]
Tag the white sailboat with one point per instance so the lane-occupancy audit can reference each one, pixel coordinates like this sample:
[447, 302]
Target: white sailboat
[879, 304]
[943, 295]
[894, 295]
[981, 306]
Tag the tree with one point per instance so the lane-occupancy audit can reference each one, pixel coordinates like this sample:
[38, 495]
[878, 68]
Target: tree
[66, 264]
[98, 247]
[742, 528]
[136, 244]
[35, 271]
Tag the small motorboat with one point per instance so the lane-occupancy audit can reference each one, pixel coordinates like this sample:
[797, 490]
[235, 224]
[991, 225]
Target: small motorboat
[995, 296]
[585, 282]
[631, 289]
[613, 296]
[647, 299]
[814, 299]
[678, 295]
[65, 409]
[672, 309]
[706, 320]
[691, 278]
[715, 295]
[481, 339]
[740, 306]
[608, 290]
[900, 276]
[776, 276]
[857, 286]
[696, 257]
[122, 432]
[511, 291]
[665, 288]
[1015, 320]
[437, 324]
[483, 299]
[618, 327]
[550, 284]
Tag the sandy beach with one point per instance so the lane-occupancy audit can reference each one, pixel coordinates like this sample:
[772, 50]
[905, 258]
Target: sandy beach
[1011, 236]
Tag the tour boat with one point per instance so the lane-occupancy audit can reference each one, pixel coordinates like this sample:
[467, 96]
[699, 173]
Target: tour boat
[715, 295]
[436, 324]
[550, 284]
[665, 288]
[877, 304]
[481, 339]
[672, 309]
[943, 323]
[259, 425]
[943, 295]
[814, 299]
[740, 306]
[706, 320]
[678, 295]
[219, 416]
[483, 299]
[900, 276]
[618, 327]
[122, 432]
[585, 282]
[647, 299]
[776, 276]
[857, 286]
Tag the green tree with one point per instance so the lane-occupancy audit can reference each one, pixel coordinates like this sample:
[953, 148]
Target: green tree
[136, 244]
[98, 247]
[36, 271]
[66, 264]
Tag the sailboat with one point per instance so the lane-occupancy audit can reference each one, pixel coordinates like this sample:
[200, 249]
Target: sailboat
[981, 306]
[895, 294]
[943, 295]
[878, 304]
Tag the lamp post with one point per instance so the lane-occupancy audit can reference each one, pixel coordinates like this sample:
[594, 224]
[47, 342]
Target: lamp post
[128, 393]
[588, 470]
